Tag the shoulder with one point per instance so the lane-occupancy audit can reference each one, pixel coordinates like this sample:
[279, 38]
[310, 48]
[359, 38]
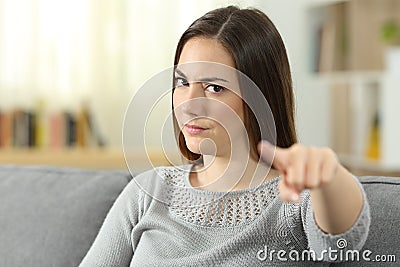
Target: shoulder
[157, 179]
[162, 173]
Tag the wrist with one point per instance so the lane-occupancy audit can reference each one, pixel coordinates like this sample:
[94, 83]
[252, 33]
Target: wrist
[339, 178]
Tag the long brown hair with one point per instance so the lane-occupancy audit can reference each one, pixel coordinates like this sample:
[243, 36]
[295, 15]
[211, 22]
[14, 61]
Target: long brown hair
[258, 51]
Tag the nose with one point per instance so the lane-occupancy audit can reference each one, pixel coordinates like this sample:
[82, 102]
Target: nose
[195, 90]
[194, 103]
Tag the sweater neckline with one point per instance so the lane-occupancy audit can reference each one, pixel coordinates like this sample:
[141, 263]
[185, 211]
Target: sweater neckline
[216, 209]
[186, 180]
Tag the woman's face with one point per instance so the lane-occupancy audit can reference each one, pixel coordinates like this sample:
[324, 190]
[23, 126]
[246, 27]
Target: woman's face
[203, 105]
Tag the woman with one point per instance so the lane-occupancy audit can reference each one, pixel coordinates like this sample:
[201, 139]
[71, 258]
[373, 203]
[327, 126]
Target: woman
[225, 208]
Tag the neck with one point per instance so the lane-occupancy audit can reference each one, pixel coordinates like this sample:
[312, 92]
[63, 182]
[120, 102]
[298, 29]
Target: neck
[222, 173]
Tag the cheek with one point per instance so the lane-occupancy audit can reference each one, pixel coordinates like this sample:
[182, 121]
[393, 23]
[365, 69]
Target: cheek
[237, 106]
[233, 112]
[176, 101]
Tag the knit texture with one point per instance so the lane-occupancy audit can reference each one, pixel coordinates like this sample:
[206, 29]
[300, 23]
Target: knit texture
[160, 220]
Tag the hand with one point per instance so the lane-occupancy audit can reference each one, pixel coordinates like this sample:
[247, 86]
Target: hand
[300, 167]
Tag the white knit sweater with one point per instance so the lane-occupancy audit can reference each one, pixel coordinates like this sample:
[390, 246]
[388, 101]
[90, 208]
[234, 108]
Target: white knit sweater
[160, 220]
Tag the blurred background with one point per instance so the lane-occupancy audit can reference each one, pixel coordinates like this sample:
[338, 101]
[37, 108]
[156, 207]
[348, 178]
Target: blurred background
[68, 70]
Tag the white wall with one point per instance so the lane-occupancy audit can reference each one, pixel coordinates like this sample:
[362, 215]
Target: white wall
[103, 50]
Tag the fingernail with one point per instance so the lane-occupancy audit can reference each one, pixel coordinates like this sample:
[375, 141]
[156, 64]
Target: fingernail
[259, 147]
[266, 143]
[295, 197]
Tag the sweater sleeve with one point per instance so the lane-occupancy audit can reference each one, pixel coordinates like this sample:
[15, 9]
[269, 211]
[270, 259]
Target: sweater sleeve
[113, 245]
[321, 243]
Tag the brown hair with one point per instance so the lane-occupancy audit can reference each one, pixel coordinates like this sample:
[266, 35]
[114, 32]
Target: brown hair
[258, 51]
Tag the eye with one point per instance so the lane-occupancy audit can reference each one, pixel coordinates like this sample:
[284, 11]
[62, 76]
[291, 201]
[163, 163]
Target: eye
[179, 82]
[215, 89]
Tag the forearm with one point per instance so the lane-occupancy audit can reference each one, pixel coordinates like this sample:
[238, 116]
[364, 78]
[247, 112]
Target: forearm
[337, 204]
[113, 244]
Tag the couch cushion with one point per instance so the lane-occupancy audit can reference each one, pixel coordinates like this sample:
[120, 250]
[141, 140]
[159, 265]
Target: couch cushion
[50, 216]
[383, 195]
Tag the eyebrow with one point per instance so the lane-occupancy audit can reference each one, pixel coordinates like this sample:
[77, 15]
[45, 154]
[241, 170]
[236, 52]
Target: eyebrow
[210, 79]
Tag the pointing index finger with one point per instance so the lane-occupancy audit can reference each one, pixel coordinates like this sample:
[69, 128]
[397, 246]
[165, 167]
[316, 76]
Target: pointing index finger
[276, 156]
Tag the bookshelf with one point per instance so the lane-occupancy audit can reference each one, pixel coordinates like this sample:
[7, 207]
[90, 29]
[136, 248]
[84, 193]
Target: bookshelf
[90, 158]
[348, 57]
[66, 139]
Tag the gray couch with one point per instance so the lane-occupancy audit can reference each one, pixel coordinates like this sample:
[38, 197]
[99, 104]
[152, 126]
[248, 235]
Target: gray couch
[50, 216]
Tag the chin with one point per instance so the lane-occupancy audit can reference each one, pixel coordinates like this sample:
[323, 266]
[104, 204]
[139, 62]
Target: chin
[207, 148]
[193, 145]
[195, 151]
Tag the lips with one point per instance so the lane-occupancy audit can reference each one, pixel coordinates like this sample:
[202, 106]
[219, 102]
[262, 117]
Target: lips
[194, 129]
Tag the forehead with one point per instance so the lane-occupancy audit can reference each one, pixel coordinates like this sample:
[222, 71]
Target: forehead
[206, 49]
[206, 59]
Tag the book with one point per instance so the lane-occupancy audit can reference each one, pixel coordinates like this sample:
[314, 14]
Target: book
[20, 126]
[373, 146]
[5, 129]
[70, 129]
[31, 127]
[57, 130]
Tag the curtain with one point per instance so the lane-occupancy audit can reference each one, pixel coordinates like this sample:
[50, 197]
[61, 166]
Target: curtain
[66, 53]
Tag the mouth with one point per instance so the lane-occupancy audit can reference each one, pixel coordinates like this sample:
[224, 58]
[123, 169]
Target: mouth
[194, 129]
